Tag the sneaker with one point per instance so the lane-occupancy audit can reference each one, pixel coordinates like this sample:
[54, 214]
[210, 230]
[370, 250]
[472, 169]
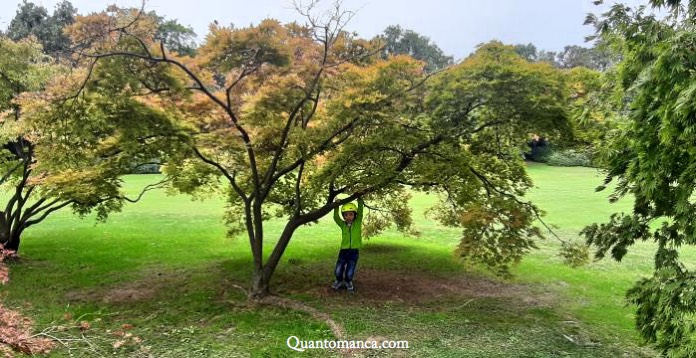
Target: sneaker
[350, 287]
[336, 285]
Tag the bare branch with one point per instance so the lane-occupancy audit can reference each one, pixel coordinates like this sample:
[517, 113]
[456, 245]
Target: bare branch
[147, 188]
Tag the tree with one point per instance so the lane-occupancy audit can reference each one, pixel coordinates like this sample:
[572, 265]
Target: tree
[24, 68]
[399, 41]
[596, 58]
[599, 57]
[592, 113]
[33, 20]
[528, 51]
[300, 119]
[175, 36]
[52, 157]
[651, 157]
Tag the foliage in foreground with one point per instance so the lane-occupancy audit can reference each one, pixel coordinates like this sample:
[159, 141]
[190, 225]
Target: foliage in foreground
[652, 157]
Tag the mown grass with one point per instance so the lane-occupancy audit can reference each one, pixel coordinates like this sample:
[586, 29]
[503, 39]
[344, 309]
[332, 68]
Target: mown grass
[165, 267]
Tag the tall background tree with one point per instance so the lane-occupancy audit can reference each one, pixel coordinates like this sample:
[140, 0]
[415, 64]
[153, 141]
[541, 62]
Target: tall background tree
[652, 157]
[34, 20]
[400, 41]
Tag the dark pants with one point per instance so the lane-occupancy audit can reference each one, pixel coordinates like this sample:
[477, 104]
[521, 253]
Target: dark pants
[345, 266]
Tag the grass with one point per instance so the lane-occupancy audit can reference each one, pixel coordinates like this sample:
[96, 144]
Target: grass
[165, 268]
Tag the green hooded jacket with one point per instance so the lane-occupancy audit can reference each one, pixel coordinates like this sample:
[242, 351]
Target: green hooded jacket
[351, 234]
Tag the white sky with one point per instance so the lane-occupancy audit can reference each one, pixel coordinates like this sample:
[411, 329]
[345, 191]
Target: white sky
[456, 26]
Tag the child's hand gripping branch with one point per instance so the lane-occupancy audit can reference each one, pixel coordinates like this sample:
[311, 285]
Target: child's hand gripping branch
[350, 222]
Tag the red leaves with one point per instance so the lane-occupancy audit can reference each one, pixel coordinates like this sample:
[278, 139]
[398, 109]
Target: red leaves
[16, 335]
[15, 329]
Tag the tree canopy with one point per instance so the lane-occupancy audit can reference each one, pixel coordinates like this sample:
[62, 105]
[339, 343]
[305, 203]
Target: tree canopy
[34, 20]
[294, 120]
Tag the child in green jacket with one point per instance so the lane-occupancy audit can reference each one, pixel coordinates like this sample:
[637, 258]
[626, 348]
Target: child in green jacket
[351, 242]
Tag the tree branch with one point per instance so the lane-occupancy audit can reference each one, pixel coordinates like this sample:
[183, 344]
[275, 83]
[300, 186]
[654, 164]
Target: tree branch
[489, 185]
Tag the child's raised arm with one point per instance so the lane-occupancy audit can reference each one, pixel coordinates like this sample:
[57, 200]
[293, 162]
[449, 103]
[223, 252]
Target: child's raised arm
[361, 205]
[337, 217]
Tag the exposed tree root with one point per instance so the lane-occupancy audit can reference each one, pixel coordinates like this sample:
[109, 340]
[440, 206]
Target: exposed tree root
[336, 328]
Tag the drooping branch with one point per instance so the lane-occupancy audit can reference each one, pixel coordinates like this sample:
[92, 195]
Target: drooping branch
[46, 213]
[160, 184]
[490, 186]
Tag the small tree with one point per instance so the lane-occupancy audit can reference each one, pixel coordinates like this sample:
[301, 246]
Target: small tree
[293, 116]
[59, 157]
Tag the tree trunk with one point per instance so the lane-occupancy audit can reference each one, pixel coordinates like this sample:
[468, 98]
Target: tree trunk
[12, 243]
[279, 249]
[8, 238]
[259, 285]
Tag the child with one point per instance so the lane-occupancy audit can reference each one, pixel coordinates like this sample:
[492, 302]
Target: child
[350, 244]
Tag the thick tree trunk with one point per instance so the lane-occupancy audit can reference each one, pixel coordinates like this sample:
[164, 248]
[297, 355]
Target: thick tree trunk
[279, 249]
[261, 278]
[259, 285]
[9, 238]
[12, 243]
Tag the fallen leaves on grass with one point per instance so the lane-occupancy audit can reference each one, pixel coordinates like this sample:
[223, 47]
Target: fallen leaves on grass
[16, 335]
[15, 329]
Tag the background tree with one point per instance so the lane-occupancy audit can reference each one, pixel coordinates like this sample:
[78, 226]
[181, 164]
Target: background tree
[175, 36]
[300, 119]
[399, 41]
[651, 157]
[597, 57]
[592, 115]
[34, 20]
[527, 51]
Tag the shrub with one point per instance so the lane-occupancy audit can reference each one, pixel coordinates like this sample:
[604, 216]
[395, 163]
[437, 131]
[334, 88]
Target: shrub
[569, 158]
[152, 167]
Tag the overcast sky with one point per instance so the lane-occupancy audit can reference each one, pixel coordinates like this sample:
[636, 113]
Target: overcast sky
[457, 26]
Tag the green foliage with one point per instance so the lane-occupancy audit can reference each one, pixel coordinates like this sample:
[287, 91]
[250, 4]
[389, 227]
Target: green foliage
[33, 20]
[665, 312]
[651, 156]
[568, 158]
[399, 41]
[388, 209]
[575, 254]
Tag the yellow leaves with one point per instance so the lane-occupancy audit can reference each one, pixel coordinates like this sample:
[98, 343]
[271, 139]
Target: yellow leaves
[99, 30]
[227, 48]
[94, 27]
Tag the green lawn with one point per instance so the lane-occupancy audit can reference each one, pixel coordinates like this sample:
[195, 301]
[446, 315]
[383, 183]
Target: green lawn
[165, 267]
